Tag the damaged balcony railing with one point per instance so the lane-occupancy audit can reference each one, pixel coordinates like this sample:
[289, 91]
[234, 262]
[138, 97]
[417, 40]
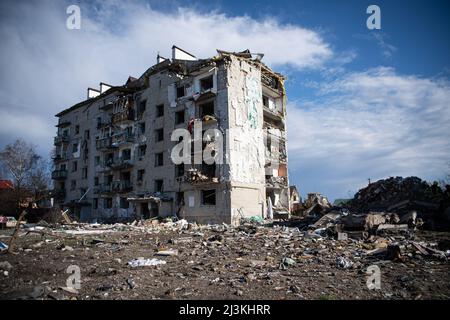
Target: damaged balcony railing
[59, 174]
[61, 139]
[123, 137]
[60, 157]
[123, 110]
[104, 143]
[118, 163]
[105, 188]
[122, 186]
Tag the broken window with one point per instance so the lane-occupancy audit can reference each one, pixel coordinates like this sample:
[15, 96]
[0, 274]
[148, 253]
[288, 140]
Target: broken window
[206, 83]
[265, 100]
[107, 203]
[179, 170]
[209, 197]
[179, 117]
[140, 175]
[159, 110]
[206, 109]
[159, 135]
[179, 198]
[73, 185]
[77, 129]
[97, 160]
[142, 106]
[159, 160]
[159, 185]
[209, 170]
[142, 149]
[84, 173]
[95, 203]
[86, 134]
[142, 128]
[124, 204]
[75, 147]
[74, 166]
[180, 92]
[126, 154]
[126, 176]
[95, 181]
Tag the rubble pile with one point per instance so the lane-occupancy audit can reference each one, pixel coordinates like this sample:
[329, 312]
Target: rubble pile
[402, 196]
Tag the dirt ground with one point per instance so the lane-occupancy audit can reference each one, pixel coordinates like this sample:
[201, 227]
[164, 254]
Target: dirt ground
[216, 262]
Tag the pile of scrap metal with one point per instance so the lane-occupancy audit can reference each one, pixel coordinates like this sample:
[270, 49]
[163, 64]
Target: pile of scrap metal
[404, 195]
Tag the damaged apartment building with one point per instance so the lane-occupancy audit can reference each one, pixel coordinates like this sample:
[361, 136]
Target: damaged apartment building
[112, 159]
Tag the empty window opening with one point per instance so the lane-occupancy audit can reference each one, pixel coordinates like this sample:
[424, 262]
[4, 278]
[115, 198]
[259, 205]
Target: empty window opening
[209, 170]
[206, 109]
[159, 135]
[180, 91]
[179, 170]
[159, 185]
[159, 110]
[265, 101]
[159, 159]
[206, 83]
[126, 154]
[179, 117]
[142, 150]
[124, 204]
[209, 197]
[140, 175]
[107, 203]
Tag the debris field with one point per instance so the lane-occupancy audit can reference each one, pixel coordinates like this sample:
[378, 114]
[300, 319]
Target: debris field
[153, 259]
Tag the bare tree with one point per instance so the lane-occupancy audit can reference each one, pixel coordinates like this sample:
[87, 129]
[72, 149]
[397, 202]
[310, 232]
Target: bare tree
[39, 180]
[23, 165]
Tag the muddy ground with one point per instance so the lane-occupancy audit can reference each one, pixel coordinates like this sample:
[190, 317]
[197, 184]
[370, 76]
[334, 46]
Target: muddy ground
[216, 263]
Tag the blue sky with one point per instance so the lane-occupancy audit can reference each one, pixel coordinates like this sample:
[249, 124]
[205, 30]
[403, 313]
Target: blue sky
[362, 103]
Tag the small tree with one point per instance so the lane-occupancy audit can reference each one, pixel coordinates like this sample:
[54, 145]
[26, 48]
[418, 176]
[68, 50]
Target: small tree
[23, 165]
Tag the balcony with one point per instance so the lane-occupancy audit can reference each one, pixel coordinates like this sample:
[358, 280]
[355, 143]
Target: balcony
[59, 174]
[124, 137]
[122, 186]
[60, 140]
[60, 157]
[119, 163]
[123, 116]
[104, 143]
[63, 123]
[105, 188]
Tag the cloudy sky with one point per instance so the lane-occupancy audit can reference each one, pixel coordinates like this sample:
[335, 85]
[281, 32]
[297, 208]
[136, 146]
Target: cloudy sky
[362, 103]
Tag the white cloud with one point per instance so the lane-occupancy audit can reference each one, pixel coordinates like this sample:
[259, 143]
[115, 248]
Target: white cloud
[371, 124]
[46, 67]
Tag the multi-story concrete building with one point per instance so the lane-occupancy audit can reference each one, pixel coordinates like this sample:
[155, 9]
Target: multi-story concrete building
[114, 151]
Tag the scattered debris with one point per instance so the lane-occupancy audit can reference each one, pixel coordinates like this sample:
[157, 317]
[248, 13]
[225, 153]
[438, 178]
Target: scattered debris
[343, 263]
[141, 262]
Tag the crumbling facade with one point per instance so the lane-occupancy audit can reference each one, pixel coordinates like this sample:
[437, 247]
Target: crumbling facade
[114, 152]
